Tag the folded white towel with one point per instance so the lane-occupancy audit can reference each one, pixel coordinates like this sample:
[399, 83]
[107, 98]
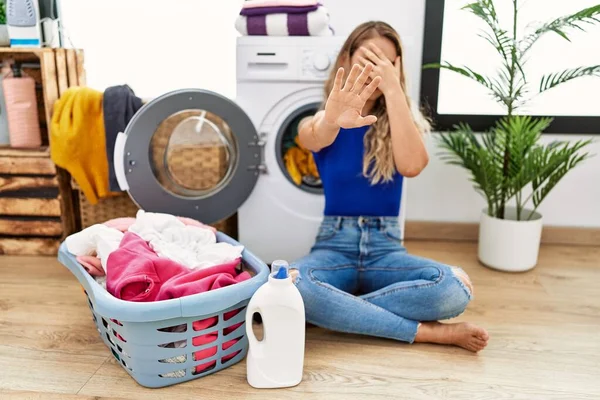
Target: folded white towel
[314, 23]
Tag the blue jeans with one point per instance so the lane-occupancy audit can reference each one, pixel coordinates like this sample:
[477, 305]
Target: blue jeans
[359, 279]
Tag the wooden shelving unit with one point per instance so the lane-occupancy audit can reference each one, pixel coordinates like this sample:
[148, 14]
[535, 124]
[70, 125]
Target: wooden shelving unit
[36, 197]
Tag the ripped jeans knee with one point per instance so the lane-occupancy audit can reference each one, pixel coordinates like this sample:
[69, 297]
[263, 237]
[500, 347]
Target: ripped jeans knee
[464, 278]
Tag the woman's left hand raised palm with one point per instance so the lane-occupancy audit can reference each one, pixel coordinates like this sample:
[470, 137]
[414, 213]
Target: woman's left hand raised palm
[382, 66]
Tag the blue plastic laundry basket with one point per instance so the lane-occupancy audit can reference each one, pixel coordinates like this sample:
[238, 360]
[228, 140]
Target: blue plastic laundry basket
[140, 335]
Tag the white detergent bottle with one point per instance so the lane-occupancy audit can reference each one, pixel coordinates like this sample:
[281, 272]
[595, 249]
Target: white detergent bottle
[277, 360]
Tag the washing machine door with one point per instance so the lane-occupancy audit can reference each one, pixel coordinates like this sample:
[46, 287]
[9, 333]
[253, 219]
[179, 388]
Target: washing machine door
[191, 153]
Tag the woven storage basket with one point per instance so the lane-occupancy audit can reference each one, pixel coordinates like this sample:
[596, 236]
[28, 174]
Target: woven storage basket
[155, 342]
[122, 206]
[191, 166]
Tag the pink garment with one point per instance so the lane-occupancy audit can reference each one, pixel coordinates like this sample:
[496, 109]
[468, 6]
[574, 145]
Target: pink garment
[92, 265]
[211, 337]
[124, 223]
[121, 224]
[136, 273]
[278, 3]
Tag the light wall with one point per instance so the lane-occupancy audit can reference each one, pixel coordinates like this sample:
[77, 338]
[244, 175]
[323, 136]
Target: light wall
[444, 193]
[155, 46]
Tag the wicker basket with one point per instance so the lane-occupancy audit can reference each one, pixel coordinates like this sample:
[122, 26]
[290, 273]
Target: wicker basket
[190, 167]
[122, 206]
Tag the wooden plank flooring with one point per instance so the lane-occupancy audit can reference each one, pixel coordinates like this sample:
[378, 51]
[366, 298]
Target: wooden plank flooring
[544, 327]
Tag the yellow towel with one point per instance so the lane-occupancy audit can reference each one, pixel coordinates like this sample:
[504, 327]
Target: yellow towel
[77, 140]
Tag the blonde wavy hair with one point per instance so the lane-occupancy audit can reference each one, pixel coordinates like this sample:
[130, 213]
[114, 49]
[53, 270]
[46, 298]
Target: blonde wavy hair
[378, 161]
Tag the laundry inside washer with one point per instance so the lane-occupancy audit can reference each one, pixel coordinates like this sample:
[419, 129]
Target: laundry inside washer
[300, 166]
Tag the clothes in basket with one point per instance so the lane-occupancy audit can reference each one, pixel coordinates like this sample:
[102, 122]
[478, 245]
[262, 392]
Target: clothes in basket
[136, 273]
[98, 241]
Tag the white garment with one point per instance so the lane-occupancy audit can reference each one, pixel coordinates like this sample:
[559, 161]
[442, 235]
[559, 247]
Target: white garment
[101, 280]
[97, 240]
[191, 246]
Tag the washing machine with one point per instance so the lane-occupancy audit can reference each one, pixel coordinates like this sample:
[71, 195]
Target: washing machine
[280, 81]
[198, 154]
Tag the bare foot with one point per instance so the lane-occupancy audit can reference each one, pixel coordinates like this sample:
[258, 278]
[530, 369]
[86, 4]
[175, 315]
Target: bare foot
[463, 334]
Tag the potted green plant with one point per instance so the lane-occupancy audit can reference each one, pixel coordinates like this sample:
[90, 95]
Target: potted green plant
[508, 163]
[4, 38]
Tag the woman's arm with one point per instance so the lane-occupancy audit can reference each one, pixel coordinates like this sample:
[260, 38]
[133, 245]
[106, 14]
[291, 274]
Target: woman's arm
[410, 154]
[408, 147]
[342, 110]
[316, 134]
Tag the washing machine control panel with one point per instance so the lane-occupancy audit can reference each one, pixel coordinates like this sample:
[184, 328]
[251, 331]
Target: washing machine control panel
[317, 63]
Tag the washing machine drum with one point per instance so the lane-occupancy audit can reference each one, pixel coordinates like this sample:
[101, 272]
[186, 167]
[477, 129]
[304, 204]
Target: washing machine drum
[191, 153]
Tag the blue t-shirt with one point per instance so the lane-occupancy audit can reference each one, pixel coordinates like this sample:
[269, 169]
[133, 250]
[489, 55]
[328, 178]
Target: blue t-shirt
[347, 191]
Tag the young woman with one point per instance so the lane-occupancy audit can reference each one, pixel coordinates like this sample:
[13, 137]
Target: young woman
[358, 277]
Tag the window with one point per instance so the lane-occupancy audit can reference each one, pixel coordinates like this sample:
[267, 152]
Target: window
[155, 46]
[451, 34]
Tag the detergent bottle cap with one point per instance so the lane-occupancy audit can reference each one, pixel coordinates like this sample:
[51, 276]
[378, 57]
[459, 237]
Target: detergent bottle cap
[279, 269]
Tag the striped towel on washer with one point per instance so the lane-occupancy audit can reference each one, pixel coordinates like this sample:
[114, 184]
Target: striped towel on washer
[278, 3]
[314, 23]
[278, 10]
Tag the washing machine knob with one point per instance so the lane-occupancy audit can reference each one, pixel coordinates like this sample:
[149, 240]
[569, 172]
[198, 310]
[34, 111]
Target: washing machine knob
[321, 62]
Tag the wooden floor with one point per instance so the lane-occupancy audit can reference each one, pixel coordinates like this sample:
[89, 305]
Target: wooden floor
[544, 327]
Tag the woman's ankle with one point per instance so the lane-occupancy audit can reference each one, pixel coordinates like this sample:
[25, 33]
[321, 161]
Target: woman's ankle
[426, 332]
[433, 332]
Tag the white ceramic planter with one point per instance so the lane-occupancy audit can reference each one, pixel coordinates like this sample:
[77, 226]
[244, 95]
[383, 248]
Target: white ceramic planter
[4, 38]
[507, 244]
